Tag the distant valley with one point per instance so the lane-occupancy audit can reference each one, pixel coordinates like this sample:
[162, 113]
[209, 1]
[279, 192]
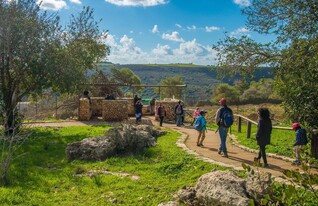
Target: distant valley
[200, 80]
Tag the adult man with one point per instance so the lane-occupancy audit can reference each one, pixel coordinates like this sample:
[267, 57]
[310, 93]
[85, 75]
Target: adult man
[178, 111]
[220, 117]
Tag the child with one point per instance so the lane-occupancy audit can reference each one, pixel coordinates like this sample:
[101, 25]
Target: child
[200, 126]
[196, 113]
[300, 141]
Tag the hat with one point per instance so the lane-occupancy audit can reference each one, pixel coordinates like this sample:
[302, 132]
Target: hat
[222, 101]
[203, 112]
[295, 125]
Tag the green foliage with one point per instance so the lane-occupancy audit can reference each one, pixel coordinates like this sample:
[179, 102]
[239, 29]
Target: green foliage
[262, 91]
[231, 93]
[44, 177]
[169, 92]
[293, 53]
[127, 76]
[296, 80]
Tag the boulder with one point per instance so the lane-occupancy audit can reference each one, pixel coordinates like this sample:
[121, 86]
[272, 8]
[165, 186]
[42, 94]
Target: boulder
[120, 140]
[221, 188]
[258, 185]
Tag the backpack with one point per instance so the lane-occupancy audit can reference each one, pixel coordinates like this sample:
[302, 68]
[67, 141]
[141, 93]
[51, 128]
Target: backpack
[198, 124]
[178, 109]
[226, 117]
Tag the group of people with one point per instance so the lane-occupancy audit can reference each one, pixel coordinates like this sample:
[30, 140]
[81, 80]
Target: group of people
[224, 119]
[138, 109]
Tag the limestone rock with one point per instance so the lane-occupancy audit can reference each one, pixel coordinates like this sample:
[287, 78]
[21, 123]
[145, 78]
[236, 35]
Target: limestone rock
[124, 139]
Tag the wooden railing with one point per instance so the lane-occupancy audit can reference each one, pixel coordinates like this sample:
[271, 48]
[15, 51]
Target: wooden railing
[249, 125]
[314, 133]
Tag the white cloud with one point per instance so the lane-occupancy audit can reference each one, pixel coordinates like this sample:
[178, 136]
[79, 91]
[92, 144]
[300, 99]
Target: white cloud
[242, 3]
[211, 28]
[54, 5]
[174, 36]
[76, 1]
[137, 2]
[192, 48]
[162, 50]
[240, 31]
[193, 27]
[125, 51]
[179, 26]
[155, 29]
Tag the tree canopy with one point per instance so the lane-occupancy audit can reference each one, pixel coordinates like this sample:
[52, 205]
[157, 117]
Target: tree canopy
[36, 53]
[169, 92]
[292, 53]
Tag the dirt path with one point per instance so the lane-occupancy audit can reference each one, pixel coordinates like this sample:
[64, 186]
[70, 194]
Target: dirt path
[208, 152]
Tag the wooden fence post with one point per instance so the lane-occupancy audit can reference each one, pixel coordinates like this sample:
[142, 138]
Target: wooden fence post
[239, 124]
[249, 128]
[314, 144]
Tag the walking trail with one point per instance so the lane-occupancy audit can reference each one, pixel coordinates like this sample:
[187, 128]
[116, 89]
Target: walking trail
[209, 152]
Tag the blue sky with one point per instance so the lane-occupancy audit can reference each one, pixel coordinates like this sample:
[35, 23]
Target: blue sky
[162, 31]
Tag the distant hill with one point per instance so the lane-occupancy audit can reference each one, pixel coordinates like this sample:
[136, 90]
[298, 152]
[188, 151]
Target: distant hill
[200, 80]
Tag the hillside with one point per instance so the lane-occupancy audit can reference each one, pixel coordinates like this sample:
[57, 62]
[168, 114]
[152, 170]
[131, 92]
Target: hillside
[200, 80]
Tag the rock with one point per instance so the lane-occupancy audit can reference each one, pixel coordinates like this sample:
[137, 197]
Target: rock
[171, 203]
[119, 140]
[187, 195]
[221, 188]
[258, 185]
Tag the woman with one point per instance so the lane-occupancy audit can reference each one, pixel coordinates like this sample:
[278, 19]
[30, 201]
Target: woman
[161, 111]
[138, 109]
[263, 135]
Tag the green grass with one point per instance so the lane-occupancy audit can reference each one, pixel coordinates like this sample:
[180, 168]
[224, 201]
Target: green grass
[43, 176]
[281, 140]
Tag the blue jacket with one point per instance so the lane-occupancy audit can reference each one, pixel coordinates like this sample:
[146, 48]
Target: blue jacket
[301, 137]
[203, 122]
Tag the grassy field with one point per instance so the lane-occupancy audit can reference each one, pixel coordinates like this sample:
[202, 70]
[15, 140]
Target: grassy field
[43, 176]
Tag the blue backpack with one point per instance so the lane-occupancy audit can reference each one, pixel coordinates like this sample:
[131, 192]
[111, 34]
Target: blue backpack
[226, 117]
[198, 124]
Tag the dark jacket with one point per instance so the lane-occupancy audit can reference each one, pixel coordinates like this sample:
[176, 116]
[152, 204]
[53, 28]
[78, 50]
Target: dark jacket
[138, 108]
[175, 109]
[264, 130]
[301, 137]
[161, 112]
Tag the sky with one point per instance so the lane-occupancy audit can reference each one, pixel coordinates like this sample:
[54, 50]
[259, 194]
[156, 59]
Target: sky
[162, 31]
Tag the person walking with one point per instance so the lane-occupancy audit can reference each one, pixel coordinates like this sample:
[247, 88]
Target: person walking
[300, 141]
[178, 111]
[224, 119]
[196, 113]
[152, 103]
[138, 109]
[200, 126]
[161, 111]
[263, 134]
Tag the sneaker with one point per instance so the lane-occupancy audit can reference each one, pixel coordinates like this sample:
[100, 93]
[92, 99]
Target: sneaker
[225, 155]
[297, 162]
[219, 151]
[266, 166]
[201, 145]
[198, 144]
[256, 159]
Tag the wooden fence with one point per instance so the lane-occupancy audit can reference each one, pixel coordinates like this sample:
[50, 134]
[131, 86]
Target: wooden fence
[314, 133]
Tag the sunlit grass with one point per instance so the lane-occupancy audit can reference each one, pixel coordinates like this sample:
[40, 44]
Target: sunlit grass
[43, 176]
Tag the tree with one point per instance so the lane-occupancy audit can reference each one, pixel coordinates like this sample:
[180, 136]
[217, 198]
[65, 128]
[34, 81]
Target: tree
[126, 76]
[231, 93]
[36, 53]
[169, 92]
[294, 23]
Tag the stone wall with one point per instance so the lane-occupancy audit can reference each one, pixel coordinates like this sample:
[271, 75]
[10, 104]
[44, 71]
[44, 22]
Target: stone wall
[84, 111]
[115, 110]
[169, 105]
[131, 106]
[97, 105]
